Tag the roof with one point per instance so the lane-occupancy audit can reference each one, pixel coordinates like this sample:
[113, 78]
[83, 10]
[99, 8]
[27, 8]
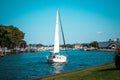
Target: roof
[107, 43]
[103, 44]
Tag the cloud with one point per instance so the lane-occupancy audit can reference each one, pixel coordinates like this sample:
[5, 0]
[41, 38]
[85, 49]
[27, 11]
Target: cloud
[99, 32]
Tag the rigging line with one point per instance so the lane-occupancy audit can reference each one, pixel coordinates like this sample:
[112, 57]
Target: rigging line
[62, 33]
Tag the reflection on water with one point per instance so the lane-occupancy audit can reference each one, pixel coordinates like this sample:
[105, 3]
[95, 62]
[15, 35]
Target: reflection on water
[54, 67]
[57, 67]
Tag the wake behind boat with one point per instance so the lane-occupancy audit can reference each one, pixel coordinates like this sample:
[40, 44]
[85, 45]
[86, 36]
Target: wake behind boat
[55, 55]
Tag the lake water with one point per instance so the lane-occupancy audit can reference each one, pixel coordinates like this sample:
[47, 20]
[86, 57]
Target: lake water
[31, 65]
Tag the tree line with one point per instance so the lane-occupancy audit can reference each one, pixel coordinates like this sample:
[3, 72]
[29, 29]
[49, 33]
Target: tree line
[42, 45]
[92, 44]
[11, 36]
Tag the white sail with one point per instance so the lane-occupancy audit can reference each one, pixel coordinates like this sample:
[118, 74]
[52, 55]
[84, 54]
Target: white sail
[56, 40]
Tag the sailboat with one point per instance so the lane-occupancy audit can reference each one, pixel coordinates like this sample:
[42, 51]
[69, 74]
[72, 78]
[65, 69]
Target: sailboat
[55, 55]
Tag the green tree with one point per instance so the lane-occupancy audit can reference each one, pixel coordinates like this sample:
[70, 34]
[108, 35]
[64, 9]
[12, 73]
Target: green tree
[94, 44]
[39, 45]
[23, 44]
[67, 46]
[10, 36]
[30, 45]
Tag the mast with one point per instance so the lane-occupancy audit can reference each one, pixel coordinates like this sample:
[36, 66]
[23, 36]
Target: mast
[62, 33]
[56, 40]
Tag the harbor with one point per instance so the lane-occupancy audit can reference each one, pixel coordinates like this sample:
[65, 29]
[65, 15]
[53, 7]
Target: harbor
[34, 64]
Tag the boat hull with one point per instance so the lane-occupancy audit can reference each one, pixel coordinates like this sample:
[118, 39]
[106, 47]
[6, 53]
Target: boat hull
[57, 59]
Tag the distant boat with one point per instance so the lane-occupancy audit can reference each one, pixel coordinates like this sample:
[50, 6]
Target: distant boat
[55, 55]
[86, 49]
[89, 49]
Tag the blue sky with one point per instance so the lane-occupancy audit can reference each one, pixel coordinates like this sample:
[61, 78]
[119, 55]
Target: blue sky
[83, 20]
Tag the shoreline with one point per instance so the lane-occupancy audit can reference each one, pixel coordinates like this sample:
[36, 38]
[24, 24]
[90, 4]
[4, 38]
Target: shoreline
[51, 75]
[11, 51]
[112, 50]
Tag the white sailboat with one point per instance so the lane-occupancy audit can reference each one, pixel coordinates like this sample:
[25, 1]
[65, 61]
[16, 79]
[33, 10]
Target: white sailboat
[55, 55]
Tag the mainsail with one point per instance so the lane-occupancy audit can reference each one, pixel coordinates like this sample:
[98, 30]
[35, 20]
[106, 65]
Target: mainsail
[56, 40]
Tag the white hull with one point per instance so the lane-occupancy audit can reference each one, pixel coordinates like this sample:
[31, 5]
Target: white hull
[57, 58]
